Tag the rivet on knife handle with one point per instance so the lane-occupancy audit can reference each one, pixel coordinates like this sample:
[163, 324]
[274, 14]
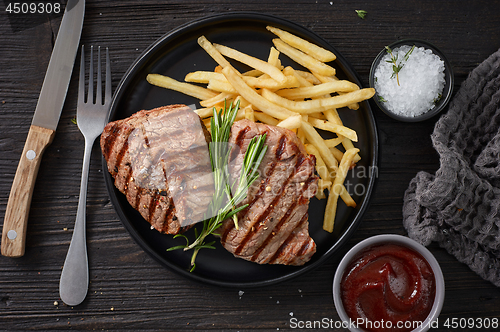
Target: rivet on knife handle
[18, 206]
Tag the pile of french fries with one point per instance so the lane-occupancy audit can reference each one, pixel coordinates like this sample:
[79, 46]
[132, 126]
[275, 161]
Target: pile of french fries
[300, 100]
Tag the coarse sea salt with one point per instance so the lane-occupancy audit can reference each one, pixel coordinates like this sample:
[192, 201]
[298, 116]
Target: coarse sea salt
[421, 81]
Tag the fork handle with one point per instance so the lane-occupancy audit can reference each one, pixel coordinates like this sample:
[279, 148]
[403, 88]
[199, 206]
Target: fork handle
[18, 205]
[74, 282]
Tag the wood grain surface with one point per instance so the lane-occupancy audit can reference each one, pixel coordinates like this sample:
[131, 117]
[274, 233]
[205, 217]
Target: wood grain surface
[129, 291]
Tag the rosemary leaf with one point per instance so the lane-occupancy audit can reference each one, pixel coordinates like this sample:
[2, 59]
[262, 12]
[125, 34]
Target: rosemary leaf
[361, 13]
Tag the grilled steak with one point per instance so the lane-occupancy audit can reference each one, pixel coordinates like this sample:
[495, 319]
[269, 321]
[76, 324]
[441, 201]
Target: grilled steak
[159, 159]
[274, 227]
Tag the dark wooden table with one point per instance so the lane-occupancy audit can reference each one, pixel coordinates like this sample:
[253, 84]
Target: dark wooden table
[128, 289]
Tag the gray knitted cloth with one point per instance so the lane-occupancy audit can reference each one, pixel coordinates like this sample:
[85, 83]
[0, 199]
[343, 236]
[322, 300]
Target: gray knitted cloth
[459, 206]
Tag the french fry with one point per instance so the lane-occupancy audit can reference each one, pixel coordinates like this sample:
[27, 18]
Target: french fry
[314, 138]
[326, 79]
[333, 116]
[217, 99]
[336, 190]
[320, 194]
[302, 80]
[300, 131]
[333, 142]
[207, 123]
[202, 76]
[337, 153]
[269, 83]
[240, 115]
[292, 122]
[186, 88]
[242, 101]
[317, 115]
[221, 85]
[315, 105]
[348, 145]
[313, 50]
[265, 118]
[253, 97]
[303, 59]
[253, 62]
[301, 135]
[318, 90]
[212, 51]
[344, 195]
[205, 112]
[309, 76]
[322, 185]
[249, 113]
[334, 128]
[252, 73]
[320, 163]
[273, 58]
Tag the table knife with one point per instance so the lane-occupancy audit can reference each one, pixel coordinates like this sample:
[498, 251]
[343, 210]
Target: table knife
[42, 129]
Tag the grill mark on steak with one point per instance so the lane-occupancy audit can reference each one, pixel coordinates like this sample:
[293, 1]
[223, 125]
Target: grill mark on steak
[288, 240]
[278, 203]
[281, 147]
[153, 204]
[243, 213]
[110, 140]
[277, 228]
[137, 150]
[271, 207]
[239, 142]
[283, 219]
[123, 150]
[304, 248]
[241, 135]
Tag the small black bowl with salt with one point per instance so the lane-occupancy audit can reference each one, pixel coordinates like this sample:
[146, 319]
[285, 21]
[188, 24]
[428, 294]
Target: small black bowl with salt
[413, 80]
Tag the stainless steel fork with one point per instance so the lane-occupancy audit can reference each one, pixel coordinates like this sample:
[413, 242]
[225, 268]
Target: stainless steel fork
[91, 117]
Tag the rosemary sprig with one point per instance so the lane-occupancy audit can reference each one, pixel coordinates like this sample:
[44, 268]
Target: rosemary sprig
[361, 13]
[396, 68]
[381, 99]
[226, 194]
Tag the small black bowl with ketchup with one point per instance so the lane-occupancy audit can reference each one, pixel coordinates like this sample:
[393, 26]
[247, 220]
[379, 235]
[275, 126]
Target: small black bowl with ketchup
[388, 283]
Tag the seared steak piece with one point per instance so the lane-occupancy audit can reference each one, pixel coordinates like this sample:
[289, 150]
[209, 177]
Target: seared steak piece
[274, 227]
[159, 159]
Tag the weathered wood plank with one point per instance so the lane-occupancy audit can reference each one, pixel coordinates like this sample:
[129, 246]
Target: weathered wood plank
[130, 291]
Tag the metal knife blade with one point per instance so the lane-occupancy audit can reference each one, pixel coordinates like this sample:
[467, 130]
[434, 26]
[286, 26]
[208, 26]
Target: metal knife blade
[56, 82]
[43, 126]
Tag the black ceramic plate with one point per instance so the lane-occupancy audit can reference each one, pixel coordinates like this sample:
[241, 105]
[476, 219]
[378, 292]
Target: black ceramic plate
[175, 55]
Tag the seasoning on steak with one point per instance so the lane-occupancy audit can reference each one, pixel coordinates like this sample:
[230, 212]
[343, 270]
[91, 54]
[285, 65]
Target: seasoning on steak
[159, 159]
[274, 227]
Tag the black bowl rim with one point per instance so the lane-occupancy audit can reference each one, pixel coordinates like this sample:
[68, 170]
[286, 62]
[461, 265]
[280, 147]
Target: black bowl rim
[447, 90]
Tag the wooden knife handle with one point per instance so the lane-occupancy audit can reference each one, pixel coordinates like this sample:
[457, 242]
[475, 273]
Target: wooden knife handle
[16, 214]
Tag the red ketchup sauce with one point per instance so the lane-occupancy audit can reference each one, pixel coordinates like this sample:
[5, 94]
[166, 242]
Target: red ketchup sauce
[388, 283]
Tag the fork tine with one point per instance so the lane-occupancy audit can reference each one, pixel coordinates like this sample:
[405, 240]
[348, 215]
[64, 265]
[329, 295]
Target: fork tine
[90, 96]
[98, 98]
[107, 96]
[81, 83]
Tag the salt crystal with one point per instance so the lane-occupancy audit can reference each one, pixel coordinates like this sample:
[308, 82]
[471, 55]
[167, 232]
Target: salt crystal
[421, 81]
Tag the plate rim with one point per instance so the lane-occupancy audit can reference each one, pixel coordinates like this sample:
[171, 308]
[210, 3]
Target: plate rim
[373, 132]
